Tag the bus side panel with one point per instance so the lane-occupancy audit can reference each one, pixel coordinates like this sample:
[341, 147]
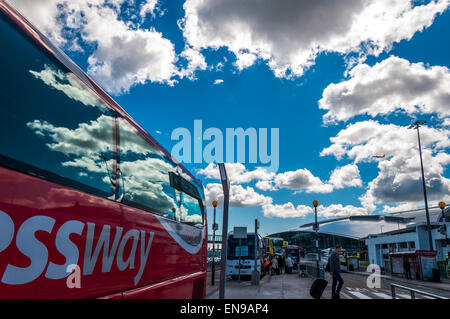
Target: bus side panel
[177, 288]
[27, 254]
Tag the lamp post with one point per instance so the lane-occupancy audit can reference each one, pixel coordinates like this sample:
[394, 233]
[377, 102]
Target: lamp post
[226, 201]
[416, 126]
[213, 268]
[316, 228]
[256, 274]
[442, 207]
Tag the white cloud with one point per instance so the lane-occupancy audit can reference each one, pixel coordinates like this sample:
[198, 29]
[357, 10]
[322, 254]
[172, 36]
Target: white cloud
[237, 173]
[345, 176]
[125, 54]
[390, 85]
[299, 180]
[287, 210]
[239, 196]
[338, 210]
[288, 34]
[399, 176]
[302, 179]
[42, 13]
[196, 61]
[218, 81]
[265, 186]
[148, 7]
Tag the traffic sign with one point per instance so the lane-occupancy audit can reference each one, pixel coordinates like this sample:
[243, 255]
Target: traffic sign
[240, 232]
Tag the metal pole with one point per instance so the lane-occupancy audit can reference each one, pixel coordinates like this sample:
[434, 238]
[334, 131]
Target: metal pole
[317, 243]
[430, 238]
[256, 243]
[213, 268]
[223, 259]
[445, 229]
[239, 261]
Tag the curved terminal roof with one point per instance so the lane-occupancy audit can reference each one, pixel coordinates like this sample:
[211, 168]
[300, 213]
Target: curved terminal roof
[359, 227]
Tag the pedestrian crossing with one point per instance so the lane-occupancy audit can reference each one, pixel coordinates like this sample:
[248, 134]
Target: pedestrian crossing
[365, 293]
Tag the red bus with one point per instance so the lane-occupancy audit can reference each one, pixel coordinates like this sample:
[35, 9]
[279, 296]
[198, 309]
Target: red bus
[91, 206]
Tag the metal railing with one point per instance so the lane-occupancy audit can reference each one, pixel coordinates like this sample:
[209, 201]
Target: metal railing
[311, 270]
[413, 292]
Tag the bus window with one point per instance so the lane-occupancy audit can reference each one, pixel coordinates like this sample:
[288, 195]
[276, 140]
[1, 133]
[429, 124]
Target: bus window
[246, 249]
[51, 124]
[145, 182]
[190, 210]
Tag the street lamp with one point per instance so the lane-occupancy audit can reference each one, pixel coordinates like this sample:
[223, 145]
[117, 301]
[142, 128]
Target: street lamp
[442, 207]
[416, 126]
[316, 228]
[226, 200]
[215, 227]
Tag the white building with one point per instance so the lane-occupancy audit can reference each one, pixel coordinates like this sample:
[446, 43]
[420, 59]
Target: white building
[412, 235]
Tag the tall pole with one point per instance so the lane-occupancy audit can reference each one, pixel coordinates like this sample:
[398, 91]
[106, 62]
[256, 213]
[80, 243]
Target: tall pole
[416, 126]
[442, 206]
[316, 227]
[213, 268]
[226, 201]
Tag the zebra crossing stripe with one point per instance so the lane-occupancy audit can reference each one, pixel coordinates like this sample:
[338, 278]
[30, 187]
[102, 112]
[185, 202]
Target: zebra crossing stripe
[404, 296]
[382, 295]
[359, 295]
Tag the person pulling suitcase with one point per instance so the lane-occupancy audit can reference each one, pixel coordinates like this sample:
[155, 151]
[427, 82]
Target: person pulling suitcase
[335, 269]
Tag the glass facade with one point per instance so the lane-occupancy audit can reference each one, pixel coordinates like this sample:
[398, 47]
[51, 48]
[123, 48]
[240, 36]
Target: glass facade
[306, 240]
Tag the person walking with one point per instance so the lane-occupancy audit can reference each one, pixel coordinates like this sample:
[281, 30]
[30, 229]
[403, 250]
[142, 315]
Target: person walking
[275, 265]
[335, 269]
[407, 268]
[289, 264]
[281, 264]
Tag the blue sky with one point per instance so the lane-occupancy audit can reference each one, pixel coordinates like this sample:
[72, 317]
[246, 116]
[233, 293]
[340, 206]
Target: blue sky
[304, 68]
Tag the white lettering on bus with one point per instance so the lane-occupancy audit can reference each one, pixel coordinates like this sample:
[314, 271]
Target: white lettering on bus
[37, 252]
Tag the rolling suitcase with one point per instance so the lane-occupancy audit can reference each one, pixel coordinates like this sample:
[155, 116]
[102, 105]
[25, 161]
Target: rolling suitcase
[317, 288]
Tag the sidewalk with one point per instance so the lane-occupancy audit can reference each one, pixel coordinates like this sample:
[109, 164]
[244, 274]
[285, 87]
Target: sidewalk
[286, 286]
[443, 285]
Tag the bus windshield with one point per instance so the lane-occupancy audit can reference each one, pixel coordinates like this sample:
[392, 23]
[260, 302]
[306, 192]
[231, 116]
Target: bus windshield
[246, 249]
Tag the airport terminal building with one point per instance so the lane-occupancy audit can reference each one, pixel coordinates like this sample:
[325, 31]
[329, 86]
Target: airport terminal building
[372, 235]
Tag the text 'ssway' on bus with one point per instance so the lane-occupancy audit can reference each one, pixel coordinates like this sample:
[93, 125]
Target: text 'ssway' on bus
[241, 254]
[90, 204]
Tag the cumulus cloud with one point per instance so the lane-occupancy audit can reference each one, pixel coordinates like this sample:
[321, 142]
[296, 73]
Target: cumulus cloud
[390, 85]
[345, 176]
[239, 196]
[338, 210]
[289, 34]
[237, 173]
[399, 176]
[218, 81]
[148, 7]
[287, 210]
[125, 53]
[302, 179]
[299, 180]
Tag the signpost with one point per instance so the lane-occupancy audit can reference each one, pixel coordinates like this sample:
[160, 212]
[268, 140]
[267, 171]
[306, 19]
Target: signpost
[316, 228]
[240, 233]
[215, 227]
[255, 274]
[226, 202]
